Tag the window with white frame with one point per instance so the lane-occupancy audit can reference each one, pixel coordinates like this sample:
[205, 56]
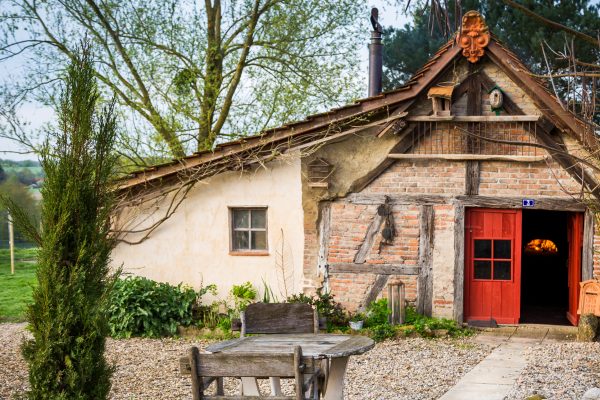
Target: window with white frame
[248, 229]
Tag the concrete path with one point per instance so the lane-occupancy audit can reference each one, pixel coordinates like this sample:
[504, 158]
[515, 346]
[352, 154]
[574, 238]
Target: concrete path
[493, 378]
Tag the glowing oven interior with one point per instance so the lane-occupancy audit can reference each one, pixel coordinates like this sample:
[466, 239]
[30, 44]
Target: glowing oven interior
[541, 247]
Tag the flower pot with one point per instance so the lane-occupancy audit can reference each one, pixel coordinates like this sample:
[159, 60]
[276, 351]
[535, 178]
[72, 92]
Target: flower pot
[356, 325]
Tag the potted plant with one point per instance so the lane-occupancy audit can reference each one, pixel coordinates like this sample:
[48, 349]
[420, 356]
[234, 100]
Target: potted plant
[357, 320]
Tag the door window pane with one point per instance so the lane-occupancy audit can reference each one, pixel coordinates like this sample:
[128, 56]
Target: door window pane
[502, 249]
[502, 270]
[482, 269]
[483, 248]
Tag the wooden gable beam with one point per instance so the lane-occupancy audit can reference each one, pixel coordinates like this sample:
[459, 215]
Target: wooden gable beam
[472, 168]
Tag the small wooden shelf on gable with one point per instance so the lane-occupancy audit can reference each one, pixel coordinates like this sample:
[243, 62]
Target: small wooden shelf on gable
[319, 172]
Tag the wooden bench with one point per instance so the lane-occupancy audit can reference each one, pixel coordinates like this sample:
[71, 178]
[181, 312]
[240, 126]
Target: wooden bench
[208, 368]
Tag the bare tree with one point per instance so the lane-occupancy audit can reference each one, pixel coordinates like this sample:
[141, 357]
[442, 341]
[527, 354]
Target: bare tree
[195, 72]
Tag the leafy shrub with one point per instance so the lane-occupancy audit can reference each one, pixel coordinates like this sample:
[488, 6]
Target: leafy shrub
[326, 307]
[300, 298]
[358, 316]
[268, 295]
[381, 332]
[424, 326]
[143, 307]
[243, 295]
[377, 313]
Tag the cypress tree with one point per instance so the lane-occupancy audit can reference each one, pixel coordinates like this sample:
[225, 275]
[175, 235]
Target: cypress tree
[67, 317]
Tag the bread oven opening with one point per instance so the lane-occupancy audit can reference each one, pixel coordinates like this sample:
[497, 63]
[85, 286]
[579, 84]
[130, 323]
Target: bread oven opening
[541, 247]
[544, 267]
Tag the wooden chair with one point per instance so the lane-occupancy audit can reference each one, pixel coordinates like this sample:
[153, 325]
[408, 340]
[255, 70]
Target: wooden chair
[265, 318]
[208, 368]
[273, 318]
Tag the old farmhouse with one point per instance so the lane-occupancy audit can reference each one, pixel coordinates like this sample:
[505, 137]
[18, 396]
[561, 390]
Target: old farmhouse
[467, 184]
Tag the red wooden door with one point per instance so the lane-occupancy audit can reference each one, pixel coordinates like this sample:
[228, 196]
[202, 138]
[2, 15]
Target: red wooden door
[575, 234]
[493, 265]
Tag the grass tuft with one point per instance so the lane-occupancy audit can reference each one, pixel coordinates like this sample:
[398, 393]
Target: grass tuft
[15, 290]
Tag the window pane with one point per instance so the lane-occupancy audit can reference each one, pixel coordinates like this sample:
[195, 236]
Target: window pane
[259, 219]
[240, 219]
[482, 269]
[259, 240]
[502, 249]
[502, 270]
[241, 240]
[483, 249]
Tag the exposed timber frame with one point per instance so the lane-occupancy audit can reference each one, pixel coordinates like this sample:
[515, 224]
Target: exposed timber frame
[473, 166]
[472, 178]
[459, 261]
[467, 157]
[587, 254]
[425, 281]
[324, 235]
[378, 269]
[475, 118]
[369, 240]
[380, 281]
[541, 203]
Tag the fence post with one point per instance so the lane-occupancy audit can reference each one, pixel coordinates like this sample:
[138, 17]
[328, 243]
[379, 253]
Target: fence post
[11, 244]
[396, 296]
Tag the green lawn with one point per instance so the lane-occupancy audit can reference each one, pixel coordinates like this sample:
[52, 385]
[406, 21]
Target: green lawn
[15, 290]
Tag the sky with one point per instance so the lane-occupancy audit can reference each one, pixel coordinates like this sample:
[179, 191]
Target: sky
[36, 115]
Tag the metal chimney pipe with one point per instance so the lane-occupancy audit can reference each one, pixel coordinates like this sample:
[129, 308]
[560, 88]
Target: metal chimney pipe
[375, 55]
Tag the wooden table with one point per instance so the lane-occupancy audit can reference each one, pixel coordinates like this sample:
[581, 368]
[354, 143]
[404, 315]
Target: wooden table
[336, 349]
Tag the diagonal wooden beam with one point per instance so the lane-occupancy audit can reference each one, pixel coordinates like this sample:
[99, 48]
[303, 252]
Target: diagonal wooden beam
[369, 240]
[376, 288]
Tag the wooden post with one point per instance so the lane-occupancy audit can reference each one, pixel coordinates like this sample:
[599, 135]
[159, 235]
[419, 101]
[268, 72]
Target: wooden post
[390, 306]
[11, 244]
[425, 280]
[401, 304]
[396, 296]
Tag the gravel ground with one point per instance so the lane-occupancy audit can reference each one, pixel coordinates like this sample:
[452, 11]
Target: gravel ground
[149, 369]
[559, 371]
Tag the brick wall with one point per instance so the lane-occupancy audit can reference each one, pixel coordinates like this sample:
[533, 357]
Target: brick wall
[349, 225]
[350, 222]
[420, 177]
[443, 261]
[525, 179]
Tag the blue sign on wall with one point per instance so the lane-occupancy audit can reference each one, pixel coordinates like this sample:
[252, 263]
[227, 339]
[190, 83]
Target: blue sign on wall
[528, 203]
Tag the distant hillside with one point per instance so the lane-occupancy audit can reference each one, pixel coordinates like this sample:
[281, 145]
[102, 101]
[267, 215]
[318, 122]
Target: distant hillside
[19, 164]
[28, 172]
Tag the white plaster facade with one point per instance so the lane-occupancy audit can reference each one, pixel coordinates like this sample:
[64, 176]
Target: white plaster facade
[193, 245]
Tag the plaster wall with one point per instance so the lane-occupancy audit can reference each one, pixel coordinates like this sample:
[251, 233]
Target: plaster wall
[443, 265]
[193, 245]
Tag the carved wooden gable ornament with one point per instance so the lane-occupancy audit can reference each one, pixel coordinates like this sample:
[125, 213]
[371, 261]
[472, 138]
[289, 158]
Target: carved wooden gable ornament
[474, 36]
